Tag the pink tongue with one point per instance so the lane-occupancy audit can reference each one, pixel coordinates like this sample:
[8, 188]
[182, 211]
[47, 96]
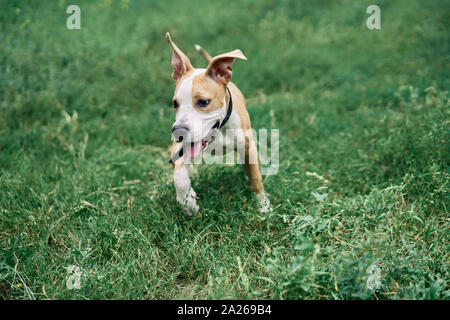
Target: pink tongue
[193, 149]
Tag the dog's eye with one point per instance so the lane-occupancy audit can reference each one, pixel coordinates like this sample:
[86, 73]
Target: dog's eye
[203, 103]
[175, 104]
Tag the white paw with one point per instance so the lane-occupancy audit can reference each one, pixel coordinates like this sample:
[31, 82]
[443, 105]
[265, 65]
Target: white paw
[263, 203]
[189, 202]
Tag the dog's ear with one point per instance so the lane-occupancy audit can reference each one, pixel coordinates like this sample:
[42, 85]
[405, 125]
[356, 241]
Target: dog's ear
[180, 63]
[219, 68]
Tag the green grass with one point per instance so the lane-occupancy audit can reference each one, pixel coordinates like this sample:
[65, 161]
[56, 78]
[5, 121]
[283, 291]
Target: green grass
[363, 115]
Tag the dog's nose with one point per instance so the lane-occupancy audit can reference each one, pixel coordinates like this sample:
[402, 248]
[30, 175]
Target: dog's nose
[179, 132]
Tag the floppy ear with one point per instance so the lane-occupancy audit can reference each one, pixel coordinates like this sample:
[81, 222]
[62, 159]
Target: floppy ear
[219, 68]
[180, 63]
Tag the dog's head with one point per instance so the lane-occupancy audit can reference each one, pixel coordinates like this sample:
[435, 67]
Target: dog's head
[200, 97]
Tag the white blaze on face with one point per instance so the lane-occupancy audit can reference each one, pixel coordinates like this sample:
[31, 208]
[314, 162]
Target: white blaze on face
[199, 124]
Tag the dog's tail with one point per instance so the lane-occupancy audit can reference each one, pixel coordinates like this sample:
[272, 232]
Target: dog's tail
[203, 52]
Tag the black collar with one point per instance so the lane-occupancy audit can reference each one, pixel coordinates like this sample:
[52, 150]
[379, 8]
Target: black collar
[230, 109]
[179, 153]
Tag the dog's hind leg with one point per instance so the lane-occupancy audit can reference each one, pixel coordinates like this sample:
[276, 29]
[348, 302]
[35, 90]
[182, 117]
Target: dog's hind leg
[251, 167]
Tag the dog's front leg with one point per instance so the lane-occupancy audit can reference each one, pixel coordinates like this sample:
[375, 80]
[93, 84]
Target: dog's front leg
[186, 196]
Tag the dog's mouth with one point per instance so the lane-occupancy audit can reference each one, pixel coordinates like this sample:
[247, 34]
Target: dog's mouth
[193, 149]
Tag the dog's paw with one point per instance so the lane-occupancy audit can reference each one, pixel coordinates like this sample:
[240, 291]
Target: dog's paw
[189, 203]
[263, 203]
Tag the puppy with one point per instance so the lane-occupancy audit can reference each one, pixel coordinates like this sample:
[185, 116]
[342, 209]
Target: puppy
[206, 104]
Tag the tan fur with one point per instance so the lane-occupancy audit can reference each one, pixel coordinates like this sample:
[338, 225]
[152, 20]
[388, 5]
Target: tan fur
[179, 163]
[203, 87]
[252, 169]
[179, 55]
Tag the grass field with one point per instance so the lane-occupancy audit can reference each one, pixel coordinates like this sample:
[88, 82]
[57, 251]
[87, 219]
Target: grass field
[85, 118]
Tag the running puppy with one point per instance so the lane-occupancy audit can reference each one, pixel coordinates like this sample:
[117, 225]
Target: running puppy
[206, 102]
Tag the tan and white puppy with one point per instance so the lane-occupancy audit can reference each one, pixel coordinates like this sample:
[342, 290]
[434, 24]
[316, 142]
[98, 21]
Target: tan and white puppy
[202, 101]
